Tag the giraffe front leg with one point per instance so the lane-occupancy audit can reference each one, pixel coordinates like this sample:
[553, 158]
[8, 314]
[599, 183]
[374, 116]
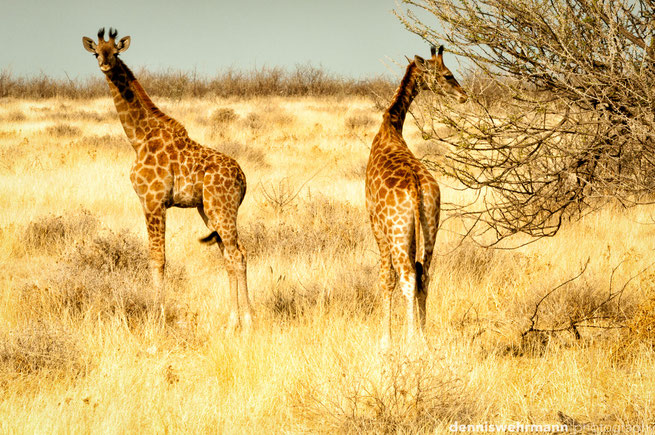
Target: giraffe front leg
[156, 225]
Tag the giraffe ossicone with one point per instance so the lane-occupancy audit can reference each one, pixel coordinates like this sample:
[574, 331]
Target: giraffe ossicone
[403, 198]
[171, 170]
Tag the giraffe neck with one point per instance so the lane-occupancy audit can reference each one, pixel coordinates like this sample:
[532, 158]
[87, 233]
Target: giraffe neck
[394, 117]
[135, 108]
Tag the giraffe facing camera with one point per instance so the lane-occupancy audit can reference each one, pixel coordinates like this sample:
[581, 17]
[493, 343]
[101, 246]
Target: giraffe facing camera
[171, 170]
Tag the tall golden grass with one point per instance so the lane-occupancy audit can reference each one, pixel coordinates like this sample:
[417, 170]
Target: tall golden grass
[80, 350]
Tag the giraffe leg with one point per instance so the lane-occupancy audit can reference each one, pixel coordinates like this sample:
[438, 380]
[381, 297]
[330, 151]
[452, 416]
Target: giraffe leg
[235, 262]
[404, 264]
[429, 226]
[386, 284]
[156, 225]
[244, 299]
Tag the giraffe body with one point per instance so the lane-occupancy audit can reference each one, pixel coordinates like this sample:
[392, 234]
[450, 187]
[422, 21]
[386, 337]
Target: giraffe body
[171, 170]
[403, 198]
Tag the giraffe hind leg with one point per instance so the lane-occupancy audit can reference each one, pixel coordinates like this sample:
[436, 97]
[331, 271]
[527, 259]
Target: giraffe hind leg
[386, 282]
[429, 226]
[223, 224]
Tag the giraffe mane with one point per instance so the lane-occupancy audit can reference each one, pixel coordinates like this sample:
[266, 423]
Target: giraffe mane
[143, 96]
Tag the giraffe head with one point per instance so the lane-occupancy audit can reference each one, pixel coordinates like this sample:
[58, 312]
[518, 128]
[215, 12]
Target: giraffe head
[106, 51]
[434, 75]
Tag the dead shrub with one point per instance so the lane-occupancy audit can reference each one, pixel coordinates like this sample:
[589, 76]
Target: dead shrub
[79, 115]
[269, 117]
[408, 395]
[15, 116]
[253, 121]
[474, 263]
[348, 293]
[107, 275]
[223, 116]
[584, 302]
[52, 233]
[240, 152]
[303, 80]
[322, 225]
[359, 121]
[63, 130]
[431, 150]
[639, 333]
[39, 349]
[107, 142]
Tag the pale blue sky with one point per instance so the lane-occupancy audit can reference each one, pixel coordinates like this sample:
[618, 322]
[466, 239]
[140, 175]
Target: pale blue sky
[350, 38]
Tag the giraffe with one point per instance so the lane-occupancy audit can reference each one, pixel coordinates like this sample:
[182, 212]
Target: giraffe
[402, 197]
[171, 170]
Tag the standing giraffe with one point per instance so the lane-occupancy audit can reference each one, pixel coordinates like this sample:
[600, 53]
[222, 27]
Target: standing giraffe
[172, 170]
[402, 197]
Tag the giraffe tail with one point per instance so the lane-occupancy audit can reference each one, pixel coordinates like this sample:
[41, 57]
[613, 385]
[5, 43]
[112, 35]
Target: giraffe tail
[212, 238]
[418, 241]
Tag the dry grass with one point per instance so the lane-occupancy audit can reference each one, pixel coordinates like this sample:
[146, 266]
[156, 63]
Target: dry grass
[81, 349]
[38, 348]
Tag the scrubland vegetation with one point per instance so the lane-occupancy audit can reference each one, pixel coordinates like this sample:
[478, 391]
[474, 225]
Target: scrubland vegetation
[81, 350]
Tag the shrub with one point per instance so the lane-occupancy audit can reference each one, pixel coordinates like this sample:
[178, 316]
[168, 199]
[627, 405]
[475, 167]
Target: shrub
[405, 395]
[52, 233]
[359, 121]
[63, 130]
[105, 275]
[240, 152]
[301, 81]
[39, 349]
[223, 115]
[348, 293]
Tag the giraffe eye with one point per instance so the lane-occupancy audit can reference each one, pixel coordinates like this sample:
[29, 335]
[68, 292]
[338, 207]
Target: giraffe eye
[448, 77]
[96, 55]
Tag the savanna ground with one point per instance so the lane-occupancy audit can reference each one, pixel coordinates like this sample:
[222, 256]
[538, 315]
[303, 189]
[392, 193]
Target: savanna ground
[80, 350]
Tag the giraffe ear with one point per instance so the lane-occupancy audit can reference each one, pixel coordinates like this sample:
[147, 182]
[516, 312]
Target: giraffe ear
[419, 61]
[88, 44]
[123, 44]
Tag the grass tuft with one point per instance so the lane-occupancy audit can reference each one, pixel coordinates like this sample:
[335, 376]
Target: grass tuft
[53, 233]
[405, 395]
[39, 349]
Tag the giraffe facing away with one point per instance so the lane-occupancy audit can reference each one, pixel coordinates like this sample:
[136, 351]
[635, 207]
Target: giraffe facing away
[402, 197]
[171, 170]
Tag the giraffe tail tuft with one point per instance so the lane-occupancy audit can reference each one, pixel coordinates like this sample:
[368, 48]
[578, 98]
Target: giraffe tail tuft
[212, 238]
[419, 277]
